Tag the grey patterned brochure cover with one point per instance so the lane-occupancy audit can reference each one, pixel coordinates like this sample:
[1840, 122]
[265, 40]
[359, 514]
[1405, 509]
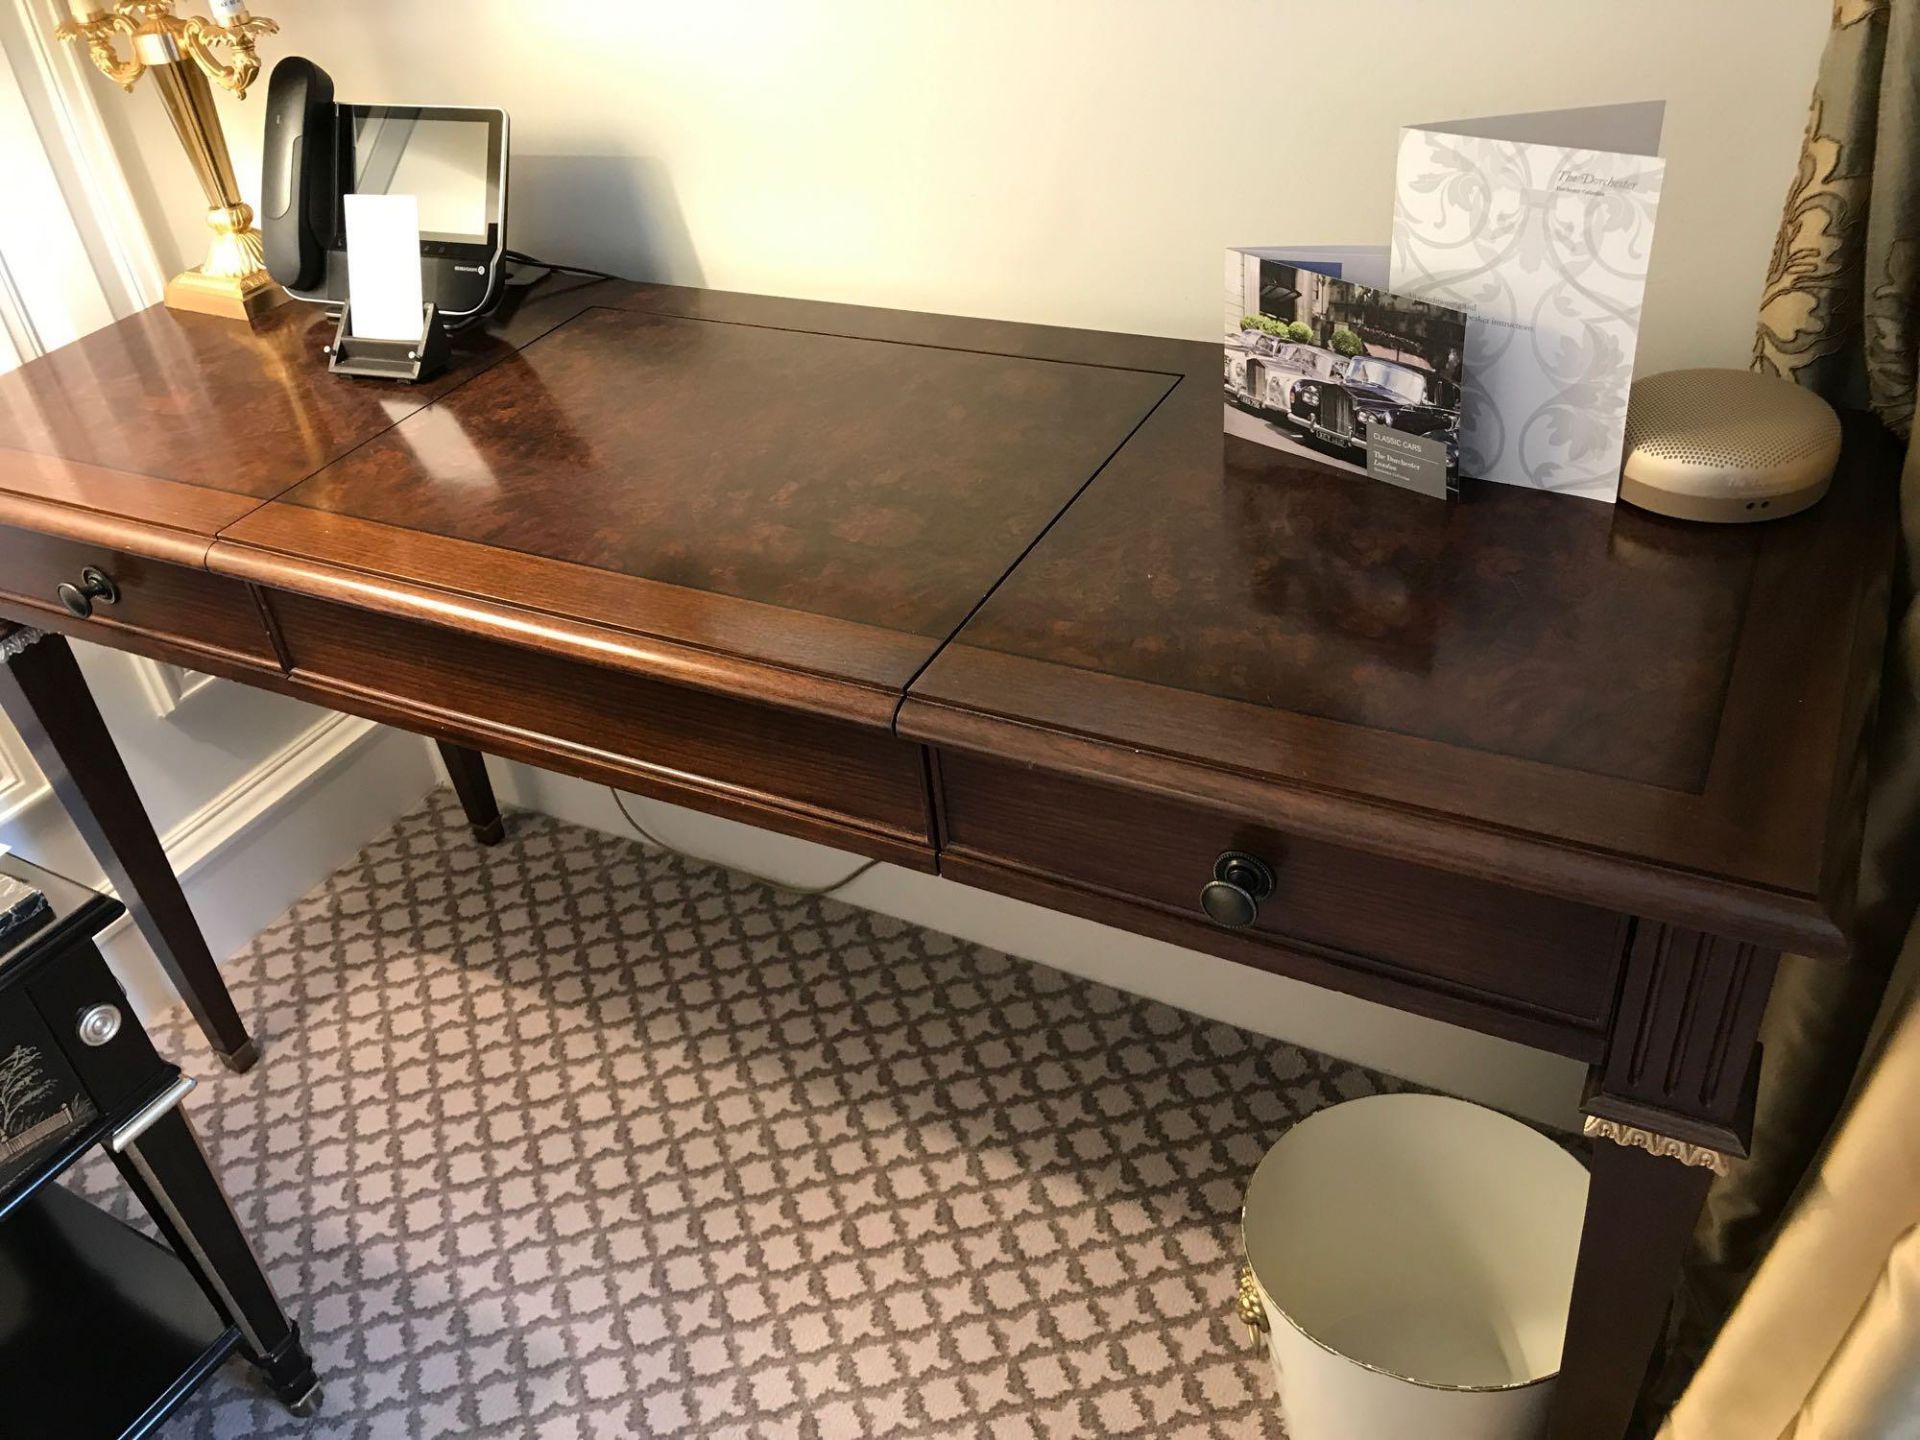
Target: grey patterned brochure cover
[1540, 227]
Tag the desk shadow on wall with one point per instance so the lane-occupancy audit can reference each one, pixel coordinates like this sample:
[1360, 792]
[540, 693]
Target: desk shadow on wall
[617, 213]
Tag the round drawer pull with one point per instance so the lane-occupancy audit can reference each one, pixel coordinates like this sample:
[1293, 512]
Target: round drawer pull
[95, 584]
[99, 1024]
[1240, 882]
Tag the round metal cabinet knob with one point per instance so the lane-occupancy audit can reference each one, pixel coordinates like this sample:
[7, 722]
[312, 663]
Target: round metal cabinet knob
[1240, 882]
[99, 1024]
[95, 584]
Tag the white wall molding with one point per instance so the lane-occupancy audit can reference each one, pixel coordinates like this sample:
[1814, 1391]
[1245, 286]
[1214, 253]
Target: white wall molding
[251, 851]
[19, 340]
[21, 785]
[229, 817]
[53, 293]
[80, 145]
[167, 687]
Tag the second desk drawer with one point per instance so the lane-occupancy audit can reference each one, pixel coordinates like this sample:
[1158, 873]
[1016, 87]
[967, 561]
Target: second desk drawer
[808, 775]
[186, 607]
[1365, 923]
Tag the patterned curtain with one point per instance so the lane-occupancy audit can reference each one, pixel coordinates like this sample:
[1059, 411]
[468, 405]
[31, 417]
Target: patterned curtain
[1803, 1291]
[1837, 314]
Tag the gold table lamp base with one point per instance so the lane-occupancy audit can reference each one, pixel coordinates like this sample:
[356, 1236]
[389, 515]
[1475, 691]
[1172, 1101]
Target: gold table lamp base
[233, 283]
[245, 298]
[183, 54]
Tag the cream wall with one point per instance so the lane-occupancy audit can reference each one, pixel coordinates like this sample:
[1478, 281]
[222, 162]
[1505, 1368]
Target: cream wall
[1073, 161]
[1080, 162]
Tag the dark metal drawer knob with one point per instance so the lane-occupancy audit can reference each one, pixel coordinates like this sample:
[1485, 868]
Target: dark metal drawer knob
[1240, 882]
[94, 585]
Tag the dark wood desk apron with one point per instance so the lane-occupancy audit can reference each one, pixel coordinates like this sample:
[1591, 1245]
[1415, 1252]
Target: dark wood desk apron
[998, 600]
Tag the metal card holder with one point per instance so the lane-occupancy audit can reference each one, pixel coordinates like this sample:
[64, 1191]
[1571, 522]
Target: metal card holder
[408, 360]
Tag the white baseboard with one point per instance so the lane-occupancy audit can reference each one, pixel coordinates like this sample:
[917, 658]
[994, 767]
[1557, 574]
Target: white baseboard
[249, 852]
[1494, 1072]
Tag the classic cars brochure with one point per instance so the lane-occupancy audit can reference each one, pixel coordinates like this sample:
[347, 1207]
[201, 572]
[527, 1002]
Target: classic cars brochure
[1324, 362]
[1539, 226]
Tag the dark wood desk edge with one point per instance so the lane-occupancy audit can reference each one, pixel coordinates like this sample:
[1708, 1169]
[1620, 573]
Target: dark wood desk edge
[142, 535]
[1779, 919]
[1796, 692]
[863, 700]
[753, 807]
[910, 849]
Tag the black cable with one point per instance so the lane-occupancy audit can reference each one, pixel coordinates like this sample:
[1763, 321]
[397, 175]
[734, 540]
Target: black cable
[515, 257]
[654, 840]
[520, 257]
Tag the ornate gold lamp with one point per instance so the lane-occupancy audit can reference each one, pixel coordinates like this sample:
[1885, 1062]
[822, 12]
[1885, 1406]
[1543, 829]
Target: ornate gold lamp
[184, 54]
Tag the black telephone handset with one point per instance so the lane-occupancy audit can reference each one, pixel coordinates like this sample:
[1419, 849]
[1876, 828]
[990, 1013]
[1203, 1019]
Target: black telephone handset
[298, 183]
[317, 151]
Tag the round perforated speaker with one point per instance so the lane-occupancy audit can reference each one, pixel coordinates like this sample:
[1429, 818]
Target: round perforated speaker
[1727, 445]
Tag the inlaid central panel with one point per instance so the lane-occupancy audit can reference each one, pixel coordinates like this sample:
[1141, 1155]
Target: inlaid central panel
[868, 480]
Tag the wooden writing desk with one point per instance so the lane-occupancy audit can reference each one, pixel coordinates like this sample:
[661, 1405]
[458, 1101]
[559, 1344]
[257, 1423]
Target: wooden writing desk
[998, 601]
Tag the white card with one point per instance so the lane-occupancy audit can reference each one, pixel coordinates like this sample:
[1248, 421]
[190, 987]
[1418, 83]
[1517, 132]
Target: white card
[383, 267]
[1540, 226]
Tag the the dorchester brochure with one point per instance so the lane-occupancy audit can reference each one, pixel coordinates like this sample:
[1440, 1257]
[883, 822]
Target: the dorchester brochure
[1539, 226]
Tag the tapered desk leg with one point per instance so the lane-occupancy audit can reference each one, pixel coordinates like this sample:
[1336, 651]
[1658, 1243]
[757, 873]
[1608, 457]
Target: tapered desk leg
[1670, 1105]
[468, 771]
[1641, 1211]
[43, 692]
[169, 1172]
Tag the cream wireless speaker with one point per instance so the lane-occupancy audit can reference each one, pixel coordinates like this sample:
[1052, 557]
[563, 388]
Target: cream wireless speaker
[1727, 445]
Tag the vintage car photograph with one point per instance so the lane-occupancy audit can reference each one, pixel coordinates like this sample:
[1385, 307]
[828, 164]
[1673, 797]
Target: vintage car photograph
[1313, 362]
[1263, 371]
[1372, 391]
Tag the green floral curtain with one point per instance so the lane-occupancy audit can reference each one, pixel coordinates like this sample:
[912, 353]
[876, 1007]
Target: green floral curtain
[1803, 1292]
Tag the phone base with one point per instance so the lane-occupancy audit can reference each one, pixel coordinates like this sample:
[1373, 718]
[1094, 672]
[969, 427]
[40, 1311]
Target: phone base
[407, 360]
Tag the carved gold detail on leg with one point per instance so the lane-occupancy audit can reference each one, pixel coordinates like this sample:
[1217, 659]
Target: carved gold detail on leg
[1664, 1146]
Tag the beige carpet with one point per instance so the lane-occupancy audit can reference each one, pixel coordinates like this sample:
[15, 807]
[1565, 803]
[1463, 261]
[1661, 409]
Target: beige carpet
[568, 1138]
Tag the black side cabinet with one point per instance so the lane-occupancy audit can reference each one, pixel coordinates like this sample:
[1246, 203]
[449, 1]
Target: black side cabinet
[103, 1332]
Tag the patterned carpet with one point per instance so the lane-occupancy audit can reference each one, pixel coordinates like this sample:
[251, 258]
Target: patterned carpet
[570, 1138]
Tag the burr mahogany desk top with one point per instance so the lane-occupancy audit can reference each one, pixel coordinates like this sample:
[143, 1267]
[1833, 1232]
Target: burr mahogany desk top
[1027, 545]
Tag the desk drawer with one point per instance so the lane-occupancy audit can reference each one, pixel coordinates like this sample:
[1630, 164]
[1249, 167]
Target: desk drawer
[819, 778]
[188, 608]
[1532, 968]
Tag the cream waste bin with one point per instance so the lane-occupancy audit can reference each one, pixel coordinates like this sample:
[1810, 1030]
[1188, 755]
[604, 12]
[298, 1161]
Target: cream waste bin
[1410, 1258]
